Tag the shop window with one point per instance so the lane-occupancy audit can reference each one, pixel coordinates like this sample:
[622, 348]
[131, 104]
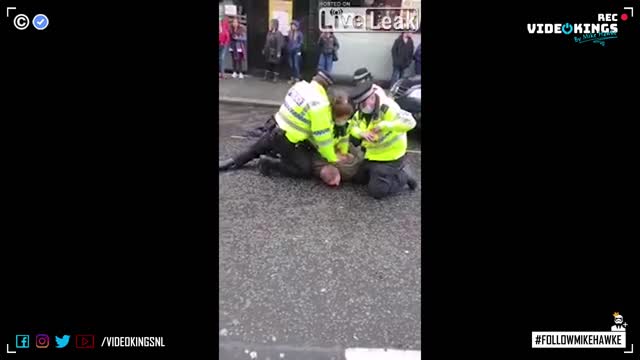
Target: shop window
[281, 10]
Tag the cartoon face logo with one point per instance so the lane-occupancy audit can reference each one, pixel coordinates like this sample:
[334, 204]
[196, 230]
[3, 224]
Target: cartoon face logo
[619, 324]
[618, 320]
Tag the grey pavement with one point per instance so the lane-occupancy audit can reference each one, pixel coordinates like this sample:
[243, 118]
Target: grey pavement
[306, 270]
[252, 90]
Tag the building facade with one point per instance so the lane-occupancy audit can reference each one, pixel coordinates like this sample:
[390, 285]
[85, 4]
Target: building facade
[371, 50]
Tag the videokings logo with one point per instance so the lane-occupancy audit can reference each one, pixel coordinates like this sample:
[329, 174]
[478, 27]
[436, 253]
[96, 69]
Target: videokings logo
[604, 28]
[615, 338]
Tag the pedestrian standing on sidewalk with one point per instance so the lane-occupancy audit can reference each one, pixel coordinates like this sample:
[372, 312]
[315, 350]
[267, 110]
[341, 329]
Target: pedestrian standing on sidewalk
[294, 51]
[328, 45]
[223, 43]
[272, 50]
[238, 46]
[417, 60]
[401, 54]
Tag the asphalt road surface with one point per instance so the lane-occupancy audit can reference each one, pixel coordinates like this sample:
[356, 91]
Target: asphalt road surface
[306, 270]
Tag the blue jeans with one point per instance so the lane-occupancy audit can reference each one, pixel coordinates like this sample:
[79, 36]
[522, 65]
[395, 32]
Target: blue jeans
[294, 64]
[326, 62]
[222, 52]
[398, 72]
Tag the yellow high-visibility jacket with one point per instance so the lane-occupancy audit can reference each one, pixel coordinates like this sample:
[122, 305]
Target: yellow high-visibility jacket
[306, 115]
[394, 123]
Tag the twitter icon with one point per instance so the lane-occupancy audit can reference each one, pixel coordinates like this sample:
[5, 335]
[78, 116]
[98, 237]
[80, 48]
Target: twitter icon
[63, 341]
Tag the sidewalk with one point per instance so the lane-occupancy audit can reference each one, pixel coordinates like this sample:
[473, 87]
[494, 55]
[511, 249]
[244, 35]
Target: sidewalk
[255, 91]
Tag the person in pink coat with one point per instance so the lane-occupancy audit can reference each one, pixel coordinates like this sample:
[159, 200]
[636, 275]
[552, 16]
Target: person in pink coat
[224, 38]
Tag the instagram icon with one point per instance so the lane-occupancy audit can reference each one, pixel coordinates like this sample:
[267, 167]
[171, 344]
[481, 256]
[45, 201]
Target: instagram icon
[42, 341]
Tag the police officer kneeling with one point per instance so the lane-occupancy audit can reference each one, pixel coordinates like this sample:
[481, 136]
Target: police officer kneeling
[303, 124]
[383, 127]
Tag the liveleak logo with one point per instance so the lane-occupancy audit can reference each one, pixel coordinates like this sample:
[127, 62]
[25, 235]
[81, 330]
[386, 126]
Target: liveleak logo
[604, 28]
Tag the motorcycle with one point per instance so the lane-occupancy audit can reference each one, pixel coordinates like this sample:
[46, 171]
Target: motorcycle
[407, 93]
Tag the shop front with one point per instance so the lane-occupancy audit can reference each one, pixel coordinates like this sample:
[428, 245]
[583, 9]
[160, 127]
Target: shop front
[256, 16]
[361, 49]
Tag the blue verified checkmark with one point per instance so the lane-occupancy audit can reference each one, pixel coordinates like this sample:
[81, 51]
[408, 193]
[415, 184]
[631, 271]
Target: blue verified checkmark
[40, 21]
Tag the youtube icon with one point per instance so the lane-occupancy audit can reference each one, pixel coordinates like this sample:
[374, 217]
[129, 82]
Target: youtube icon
[85, 341]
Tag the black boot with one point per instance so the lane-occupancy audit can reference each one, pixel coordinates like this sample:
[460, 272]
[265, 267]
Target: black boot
[228, 164]
[266, 164]
[411, 179]
[413, 184]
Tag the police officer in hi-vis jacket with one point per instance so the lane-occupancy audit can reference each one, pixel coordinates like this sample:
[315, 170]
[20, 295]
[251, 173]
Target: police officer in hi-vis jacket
[304, 124]
[382, 125]
[346, 169]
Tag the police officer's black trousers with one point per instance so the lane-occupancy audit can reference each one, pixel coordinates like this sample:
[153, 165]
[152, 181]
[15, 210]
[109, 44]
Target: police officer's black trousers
[294, 161]
[383, 178]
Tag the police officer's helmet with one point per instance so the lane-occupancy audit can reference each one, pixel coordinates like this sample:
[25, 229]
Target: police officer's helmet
[323, 78]
[362, 75]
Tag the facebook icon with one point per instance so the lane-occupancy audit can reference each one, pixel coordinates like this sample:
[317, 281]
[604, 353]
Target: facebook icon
[22, 341]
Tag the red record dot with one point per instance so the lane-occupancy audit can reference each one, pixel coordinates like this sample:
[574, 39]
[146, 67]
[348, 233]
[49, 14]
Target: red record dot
[624, 17]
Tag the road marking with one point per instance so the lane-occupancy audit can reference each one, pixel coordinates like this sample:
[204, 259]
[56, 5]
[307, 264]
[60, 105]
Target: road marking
[414, 151]
[235, 345]
[380, 354]
[239, 137]
[295, 352]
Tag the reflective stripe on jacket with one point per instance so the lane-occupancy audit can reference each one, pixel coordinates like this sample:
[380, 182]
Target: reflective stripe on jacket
[393, 122]
[306, 115]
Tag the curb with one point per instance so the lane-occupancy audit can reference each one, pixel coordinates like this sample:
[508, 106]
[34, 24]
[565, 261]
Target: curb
[249, 101]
